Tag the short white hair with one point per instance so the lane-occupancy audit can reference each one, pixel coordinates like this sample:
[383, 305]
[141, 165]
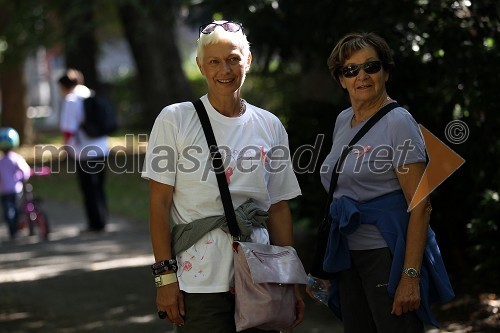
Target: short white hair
[238, 38]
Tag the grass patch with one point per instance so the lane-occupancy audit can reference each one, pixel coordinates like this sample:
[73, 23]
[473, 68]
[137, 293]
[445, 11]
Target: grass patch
[127, 193]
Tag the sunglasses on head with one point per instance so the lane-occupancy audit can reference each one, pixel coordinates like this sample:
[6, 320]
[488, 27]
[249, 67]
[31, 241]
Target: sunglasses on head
[228, 26]
[370, 67]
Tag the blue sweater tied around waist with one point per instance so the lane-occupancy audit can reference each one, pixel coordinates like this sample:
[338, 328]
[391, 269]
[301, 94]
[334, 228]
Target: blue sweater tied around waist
[389, 214]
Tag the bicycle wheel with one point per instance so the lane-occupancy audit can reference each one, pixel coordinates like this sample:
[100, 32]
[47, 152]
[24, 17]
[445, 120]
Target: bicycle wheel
[43, 225]
[31, 225]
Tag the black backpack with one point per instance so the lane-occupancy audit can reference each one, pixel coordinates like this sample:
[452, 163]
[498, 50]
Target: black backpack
[100, 116]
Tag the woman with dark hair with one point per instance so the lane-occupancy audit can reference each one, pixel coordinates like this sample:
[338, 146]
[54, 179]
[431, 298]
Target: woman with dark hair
[384, 257]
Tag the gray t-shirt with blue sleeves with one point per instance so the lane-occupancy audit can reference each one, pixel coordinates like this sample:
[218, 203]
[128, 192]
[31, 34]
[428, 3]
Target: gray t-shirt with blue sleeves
[369, 169]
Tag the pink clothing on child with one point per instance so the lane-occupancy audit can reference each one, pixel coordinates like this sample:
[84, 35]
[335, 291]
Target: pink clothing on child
[13, 172]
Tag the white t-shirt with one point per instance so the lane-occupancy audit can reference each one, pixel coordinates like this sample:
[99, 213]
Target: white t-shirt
[258, 166]
[82, 147]
[369, 169]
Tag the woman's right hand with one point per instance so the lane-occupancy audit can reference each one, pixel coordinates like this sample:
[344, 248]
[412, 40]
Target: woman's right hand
[326, 284]
[169, 298]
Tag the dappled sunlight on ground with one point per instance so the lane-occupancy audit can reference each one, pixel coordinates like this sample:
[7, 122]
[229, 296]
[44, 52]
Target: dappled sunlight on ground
[468, 314]
[78, 282]
[67, 250]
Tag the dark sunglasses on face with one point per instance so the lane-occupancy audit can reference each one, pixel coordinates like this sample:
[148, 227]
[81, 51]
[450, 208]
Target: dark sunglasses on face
[370, 67]
[228, 26]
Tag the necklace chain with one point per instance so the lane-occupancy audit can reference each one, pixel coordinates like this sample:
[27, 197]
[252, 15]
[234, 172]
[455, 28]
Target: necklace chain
[387, 101]
[243, 107]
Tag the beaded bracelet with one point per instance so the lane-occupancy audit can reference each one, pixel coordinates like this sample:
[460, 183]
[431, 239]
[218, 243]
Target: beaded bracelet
[163, 266]
[162, 270]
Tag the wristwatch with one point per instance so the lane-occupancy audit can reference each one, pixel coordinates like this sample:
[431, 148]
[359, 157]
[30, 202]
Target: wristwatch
[163, 280]
[411, 272]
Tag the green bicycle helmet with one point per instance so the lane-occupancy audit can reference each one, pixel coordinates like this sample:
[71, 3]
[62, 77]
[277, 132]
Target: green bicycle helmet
[9, 138]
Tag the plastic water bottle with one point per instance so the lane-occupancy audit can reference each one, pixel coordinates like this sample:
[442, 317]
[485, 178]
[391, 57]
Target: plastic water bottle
[319, 289]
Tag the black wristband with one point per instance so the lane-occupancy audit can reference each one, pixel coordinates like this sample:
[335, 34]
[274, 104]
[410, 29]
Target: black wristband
[164, 265]
[165, 269]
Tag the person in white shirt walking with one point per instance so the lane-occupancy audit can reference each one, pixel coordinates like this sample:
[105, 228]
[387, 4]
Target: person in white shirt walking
[88, 153]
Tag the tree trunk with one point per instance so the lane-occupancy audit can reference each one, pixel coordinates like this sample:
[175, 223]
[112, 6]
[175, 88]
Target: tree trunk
[150, 31]
[13, 90]
[12, 85]
[79, 39]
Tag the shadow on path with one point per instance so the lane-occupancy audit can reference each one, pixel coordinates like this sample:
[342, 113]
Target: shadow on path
[91, 282]
[78, 282]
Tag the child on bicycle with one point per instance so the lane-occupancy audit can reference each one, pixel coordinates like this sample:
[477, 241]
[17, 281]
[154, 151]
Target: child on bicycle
[14, 171]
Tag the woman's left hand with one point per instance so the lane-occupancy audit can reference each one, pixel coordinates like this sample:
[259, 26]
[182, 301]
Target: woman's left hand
[300, 307]
[407, 297]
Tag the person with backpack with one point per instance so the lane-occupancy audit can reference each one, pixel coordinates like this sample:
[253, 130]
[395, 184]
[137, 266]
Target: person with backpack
[88, 152]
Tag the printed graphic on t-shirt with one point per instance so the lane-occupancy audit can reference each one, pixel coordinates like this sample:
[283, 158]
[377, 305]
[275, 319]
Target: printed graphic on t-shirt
[192, 259]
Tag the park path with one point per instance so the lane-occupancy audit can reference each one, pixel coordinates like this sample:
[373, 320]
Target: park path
[91, 283]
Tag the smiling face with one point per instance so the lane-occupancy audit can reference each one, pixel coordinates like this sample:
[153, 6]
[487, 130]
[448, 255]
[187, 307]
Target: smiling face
[224, 67]
[365, 88]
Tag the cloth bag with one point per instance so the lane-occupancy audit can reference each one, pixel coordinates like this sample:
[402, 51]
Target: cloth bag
[264, 277]
[264, 274]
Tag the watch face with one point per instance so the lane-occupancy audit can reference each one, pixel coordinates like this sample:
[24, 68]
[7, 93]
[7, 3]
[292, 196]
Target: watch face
[411, 272]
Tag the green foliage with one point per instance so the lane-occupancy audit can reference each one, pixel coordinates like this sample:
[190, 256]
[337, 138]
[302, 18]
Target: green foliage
[447, 56]
[484, 233]
[24, 26]
[447, 59]
[124, 96]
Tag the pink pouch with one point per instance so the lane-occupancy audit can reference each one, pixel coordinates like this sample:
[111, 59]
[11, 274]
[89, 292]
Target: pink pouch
[264, 277]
